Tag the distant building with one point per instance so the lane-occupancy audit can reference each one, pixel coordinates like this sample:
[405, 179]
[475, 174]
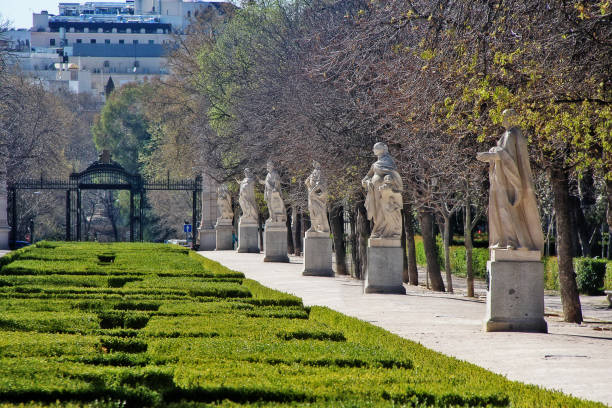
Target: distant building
[85, 44]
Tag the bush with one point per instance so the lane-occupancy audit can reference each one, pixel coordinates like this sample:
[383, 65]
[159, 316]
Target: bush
[608, 278]
[480, 256]
[590, 274]
[551, 273]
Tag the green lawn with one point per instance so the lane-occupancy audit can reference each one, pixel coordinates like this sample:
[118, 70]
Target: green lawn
[164, 327]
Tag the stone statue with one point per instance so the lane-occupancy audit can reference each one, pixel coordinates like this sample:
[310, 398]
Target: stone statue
[247, 201]
[514, 220]
[384, 195]
[272, 195]
[224, 203]
[317, 200]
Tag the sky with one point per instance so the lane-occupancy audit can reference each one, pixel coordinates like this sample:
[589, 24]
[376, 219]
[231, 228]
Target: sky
[19, 12]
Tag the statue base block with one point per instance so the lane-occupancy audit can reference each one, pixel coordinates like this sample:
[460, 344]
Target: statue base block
[248, 237]
[515, 300]
[317, 255]
[4, 237]
[385, 267]
[224, 236]
[207, 239]
[275, 242]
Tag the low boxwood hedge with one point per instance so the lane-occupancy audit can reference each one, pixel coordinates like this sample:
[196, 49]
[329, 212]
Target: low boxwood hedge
[163, 327]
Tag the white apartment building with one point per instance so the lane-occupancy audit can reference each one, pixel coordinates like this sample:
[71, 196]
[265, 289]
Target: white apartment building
[86, 43]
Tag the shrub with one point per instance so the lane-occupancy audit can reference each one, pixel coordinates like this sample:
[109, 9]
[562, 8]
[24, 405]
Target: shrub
[608, 278]
[590, 274]
[551, 273]
[129, 345]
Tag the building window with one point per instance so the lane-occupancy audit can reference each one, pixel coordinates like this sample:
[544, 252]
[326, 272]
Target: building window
[92, 41]
[79, 41]
[151, 41]
[52, 42]
[121, 41]
[106, 64]
[135, 41]
[189, 14]
[106, 41]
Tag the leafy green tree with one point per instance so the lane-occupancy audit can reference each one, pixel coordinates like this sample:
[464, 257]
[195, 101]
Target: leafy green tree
[122, 127]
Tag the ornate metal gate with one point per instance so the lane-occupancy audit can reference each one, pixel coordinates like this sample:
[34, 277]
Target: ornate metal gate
[103, 174]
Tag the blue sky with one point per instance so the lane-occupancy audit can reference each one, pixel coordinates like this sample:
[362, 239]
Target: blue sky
[19, 12]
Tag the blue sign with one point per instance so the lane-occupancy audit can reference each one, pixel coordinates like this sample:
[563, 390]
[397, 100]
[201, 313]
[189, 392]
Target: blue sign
[187, 228]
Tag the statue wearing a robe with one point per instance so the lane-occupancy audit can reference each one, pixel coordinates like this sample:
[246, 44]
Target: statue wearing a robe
[224, 203]
[514, 220]
[317, 200]
[384, 195]
[247, 201]
[272, 195]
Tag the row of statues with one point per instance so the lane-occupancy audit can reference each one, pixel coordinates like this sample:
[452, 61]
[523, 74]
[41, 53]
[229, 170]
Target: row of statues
[513, 213]
[317, 198]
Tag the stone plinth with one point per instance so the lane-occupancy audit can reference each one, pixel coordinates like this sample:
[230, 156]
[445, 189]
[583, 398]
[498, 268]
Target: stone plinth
[317, 254]
[248, 237]
[5, 230]
[385, 266]
[275, 242]
[515, 300]
[224, 236]
[206, 236]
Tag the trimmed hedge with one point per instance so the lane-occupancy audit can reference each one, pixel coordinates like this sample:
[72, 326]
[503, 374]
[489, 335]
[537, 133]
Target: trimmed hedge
[480, 256]
[175, 330]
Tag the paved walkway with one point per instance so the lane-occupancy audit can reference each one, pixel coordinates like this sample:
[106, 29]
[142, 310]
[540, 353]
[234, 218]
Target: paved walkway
[576, 359]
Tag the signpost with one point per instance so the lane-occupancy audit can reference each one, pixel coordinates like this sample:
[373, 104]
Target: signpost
[187, 231]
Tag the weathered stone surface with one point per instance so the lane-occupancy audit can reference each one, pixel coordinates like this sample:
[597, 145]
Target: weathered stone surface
[273, 196]
[207, 239]
[318, 255]
[317, 200]
[385, 267]
[383, 201]
[248, 237]
[275, 242]
[498, 255]
[514, 219]
[247, 200]
[515, 300]
[224, 236]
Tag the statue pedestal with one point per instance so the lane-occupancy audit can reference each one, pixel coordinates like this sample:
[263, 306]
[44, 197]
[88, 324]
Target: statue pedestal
[5, 232]
[207, 239]
[224, 238]
[317, 254]
[385, 266]
[275, 242]
[5, 229]
[515, 300]
[248, 238]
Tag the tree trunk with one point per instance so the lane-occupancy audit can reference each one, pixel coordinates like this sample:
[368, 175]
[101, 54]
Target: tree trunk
[296, 223]
[363, 233]
[337, 227]
[405, 277]
[429, 244]
[413, 274]
[353, 241]
[260, 221]
[467, 237]
[290, 223]
[447, 264]
[567, 278]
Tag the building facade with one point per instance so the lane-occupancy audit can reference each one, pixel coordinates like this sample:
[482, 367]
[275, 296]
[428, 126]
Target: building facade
[87, 43]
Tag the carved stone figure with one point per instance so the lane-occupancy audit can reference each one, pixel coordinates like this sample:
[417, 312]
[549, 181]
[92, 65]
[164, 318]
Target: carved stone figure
[247, 201]
[384, 199]
[224, 202]
[514, 220]
[272, 195]
[317, 200]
